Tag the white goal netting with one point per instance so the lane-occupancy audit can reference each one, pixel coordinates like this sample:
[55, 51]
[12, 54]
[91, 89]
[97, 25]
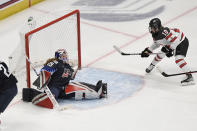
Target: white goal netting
[45, 35]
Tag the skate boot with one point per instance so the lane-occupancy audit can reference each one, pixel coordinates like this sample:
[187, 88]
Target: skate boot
[104, 90]
[188, 81]
[150, 68]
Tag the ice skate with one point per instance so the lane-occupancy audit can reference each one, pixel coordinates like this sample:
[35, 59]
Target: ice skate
[104, 91]
[188, 81]
[102, 88]
[150, 68]
[98, 85]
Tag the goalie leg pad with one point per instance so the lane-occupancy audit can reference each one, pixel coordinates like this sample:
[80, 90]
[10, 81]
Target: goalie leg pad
[43, 101]
[82, 91]
[29, 93]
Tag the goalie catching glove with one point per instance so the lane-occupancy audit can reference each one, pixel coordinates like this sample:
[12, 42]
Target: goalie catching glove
[169, 52]
[146, 52]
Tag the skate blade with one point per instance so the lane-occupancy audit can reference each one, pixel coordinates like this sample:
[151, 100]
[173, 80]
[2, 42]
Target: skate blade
[188, 83]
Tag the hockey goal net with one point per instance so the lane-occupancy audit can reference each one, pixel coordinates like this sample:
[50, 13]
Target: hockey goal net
[40, 41]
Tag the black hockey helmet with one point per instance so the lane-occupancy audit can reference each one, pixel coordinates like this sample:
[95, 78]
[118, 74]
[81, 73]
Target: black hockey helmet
[155, 25]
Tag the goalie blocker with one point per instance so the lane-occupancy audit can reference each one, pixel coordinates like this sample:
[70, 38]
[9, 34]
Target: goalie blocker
[74, 90]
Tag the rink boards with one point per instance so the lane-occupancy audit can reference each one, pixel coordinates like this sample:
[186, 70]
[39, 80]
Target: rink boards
[10, 7]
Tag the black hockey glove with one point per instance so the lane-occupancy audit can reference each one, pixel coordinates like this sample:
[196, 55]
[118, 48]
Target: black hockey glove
[146, 52]
[169, 52]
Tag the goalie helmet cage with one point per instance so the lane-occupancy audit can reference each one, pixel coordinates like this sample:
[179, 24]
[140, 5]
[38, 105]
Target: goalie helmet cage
[71, 40]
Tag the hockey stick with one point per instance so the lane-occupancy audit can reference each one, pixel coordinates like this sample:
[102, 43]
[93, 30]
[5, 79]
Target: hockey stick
[123, 53]
[74, 74]
[48, 92]
[32, 66]
[168, 75]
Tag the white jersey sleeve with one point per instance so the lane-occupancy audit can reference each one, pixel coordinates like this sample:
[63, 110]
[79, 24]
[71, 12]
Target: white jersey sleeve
[154, 46]
[169, 37]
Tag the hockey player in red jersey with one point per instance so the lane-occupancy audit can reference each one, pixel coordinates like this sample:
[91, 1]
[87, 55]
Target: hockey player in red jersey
[56, 75]
[173, 42]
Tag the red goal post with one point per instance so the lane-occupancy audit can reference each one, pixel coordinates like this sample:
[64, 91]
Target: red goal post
[62, 24]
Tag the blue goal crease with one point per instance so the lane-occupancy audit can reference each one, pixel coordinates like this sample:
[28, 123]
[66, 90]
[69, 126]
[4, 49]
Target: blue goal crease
[120, 86]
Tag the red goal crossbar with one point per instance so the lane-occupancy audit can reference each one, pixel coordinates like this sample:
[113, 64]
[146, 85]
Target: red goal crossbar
[45, 26]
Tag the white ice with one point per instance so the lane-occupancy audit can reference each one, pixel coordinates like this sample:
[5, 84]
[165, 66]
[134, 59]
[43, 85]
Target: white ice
[161, 105]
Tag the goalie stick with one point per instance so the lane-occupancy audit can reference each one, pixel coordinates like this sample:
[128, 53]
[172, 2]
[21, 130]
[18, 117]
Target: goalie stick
[32, 66]
[169, 75]
[48, 92]
[123, 53]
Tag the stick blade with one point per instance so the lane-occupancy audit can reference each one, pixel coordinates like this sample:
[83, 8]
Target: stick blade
[117, 49]
[163, 73]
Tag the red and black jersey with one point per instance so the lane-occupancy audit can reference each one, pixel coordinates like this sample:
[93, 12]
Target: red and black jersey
[166, 36]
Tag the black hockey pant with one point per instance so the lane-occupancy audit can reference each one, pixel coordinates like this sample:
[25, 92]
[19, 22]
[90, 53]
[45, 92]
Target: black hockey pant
[182, 48]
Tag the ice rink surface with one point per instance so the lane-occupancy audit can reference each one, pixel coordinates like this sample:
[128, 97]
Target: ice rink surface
[159, 104]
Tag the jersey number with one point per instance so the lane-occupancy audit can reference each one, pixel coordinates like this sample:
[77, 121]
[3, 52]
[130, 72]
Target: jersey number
[50, 64]
[165, 32]
[5, 71]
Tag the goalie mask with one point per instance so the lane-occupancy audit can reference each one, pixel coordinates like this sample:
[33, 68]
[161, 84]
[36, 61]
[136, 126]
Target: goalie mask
[62, 54]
